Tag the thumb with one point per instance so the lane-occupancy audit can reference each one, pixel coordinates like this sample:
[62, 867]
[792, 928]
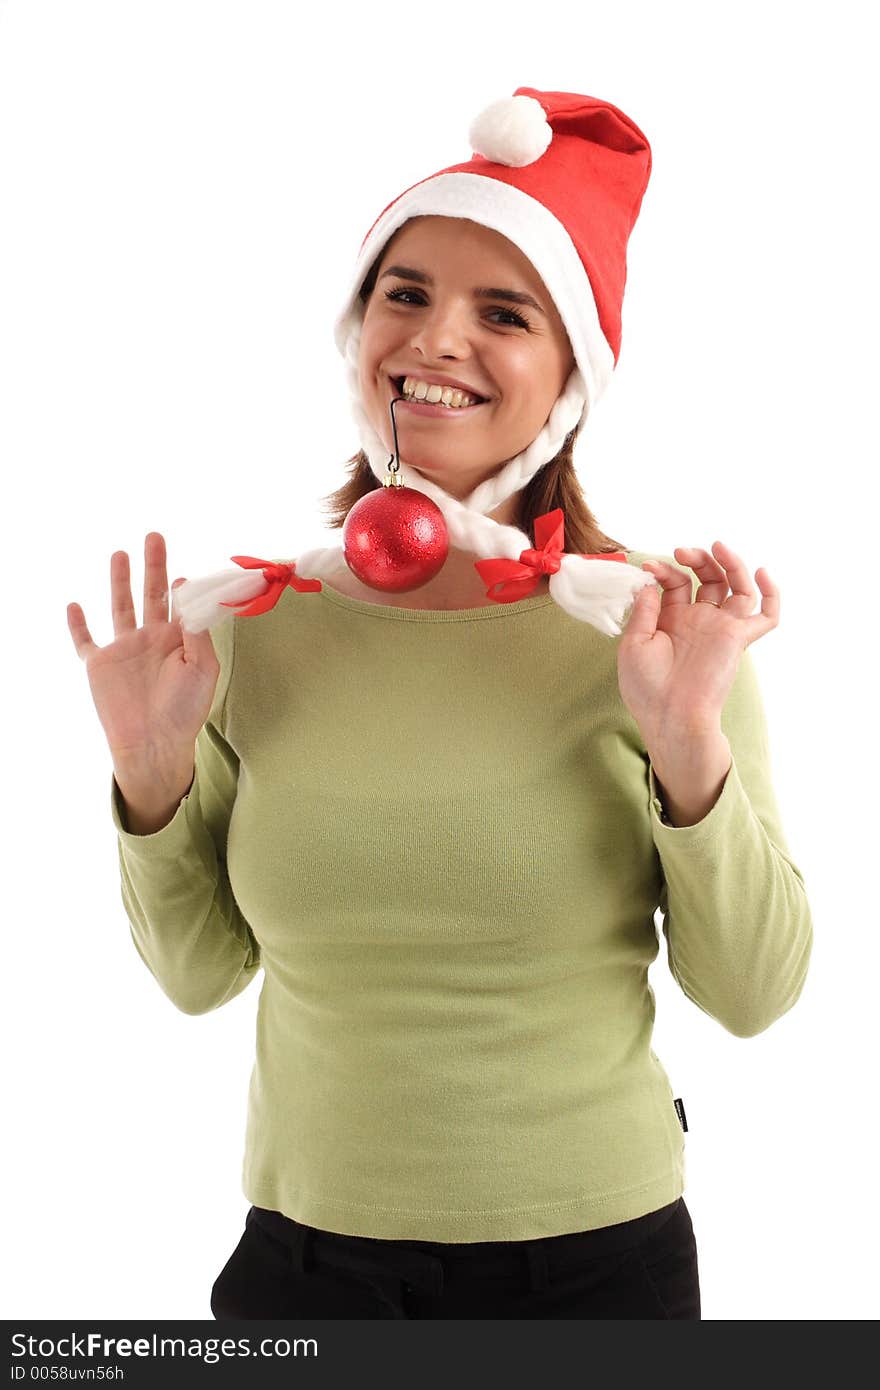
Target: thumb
[197, 646]
[642, 623]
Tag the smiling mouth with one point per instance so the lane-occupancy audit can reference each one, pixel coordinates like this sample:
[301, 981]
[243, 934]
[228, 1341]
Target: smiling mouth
[397, 383]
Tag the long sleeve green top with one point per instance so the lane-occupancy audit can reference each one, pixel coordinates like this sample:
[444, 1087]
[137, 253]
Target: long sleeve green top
[438, 835]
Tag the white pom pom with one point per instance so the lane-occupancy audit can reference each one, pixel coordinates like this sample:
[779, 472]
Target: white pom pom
[512, 131]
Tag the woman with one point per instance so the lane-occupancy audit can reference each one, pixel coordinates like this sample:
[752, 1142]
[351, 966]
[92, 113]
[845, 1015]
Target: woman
[442, 819]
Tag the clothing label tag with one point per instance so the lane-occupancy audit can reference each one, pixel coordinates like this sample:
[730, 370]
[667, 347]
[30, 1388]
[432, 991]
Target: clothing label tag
[679, 1108]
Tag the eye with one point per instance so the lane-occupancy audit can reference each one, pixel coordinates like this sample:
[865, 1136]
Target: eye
[396, 293]
[512, 314]
[514, 320]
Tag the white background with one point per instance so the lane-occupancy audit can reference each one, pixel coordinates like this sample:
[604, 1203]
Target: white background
[183, 190]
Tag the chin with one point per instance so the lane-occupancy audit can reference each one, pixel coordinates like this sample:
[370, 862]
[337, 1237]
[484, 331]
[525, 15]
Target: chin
[437, 472]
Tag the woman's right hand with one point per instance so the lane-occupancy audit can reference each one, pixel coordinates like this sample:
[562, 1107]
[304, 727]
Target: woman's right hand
[153, 686]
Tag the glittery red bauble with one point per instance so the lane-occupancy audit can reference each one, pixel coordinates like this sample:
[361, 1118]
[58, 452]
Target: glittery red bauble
[395, 539]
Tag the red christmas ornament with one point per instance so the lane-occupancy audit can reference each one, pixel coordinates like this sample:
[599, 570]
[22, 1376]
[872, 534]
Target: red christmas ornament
[395, 539]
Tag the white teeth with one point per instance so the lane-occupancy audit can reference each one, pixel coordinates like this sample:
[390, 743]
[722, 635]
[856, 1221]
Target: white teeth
[435, 394]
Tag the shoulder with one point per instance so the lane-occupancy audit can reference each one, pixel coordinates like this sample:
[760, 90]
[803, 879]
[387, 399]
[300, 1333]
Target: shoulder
[236, 632]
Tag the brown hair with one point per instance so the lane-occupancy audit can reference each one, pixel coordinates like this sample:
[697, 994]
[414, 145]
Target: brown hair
[554, 485]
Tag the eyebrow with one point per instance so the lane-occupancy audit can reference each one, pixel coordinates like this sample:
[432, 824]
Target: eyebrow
[406, 272]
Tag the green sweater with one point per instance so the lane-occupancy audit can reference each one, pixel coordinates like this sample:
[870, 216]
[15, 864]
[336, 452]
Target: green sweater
[439, 835]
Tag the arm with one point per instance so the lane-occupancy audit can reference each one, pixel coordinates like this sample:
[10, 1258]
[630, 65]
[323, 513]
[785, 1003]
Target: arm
[736, 918]
[184, 920]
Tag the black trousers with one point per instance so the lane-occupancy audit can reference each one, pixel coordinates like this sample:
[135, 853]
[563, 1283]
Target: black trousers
[646, 1268]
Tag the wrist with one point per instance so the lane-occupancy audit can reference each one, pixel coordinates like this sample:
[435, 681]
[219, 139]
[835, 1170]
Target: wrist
[690, 778]
[153, 793]
[143, 810]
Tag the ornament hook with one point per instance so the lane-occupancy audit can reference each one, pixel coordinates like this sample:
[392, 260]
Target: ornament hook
[393, 476]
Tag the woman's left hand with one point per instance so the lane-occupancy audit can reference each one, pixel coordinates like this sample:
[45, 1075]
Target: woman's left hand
[677, 659]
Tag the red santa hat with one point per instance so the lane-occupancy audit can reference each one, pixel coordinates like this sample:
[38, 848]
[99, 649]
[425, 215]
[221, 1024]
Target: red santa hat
[562, 176]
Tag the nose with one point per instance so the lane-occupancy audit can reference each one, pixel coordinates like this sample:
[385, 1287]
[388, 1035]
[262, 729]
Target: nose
[443, 331]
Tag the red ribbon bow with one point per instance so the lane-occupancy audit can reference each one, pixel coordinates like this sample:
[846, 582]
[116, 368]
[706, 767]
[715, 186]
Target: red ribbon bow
[516, 579]
[277, 577]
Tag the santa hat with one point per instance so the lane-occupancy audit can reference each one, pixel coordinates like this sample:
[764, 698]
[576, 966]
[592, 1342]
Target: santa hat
[562, 176]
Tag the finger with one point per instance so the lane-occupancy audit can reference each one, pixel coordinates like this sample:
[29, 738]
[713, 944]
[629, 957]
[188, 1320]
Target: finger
[708, 570]
[175, 616]
[155, 579]
[82, 638]
[768, 618]
[198, 647]
[121, 606]
[642, 622]
[677, 586]
[738, 577]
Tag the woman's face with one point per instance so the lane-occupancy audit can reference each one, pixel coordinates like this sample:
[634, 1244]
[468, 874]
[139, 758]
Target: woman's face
[430, 317]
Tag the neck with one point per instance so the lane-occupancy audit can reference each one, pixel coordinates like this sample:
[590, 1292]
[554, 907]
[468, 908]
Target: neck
[458, 585]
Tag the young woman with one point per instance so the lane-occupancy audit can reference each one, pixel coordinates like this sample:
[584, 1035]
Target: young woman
[441, 818]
